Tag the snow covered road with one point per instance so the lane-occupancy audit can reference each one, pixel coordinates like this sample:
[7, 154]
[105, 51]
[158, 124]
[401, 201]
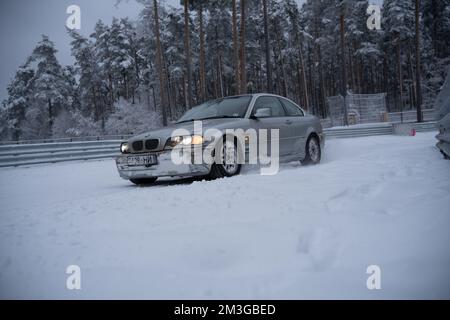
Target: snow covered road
[308, 232]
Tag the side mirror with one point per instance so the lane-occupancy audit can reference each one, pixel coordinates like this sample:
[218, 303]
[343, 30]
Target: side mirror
[263, 113]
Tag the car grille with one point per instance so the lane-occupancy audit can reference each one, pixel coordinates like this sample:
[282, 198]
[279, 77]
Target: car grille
[138, 146]
[151, 144]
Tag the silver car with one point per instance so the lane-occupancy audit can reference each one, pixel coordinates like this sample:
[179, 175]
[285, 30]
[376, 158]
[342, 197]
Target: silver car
[147, 157]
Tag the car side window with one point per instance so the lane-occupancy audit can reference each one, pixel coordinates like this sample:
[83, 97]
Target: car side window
[291, 109]
[271, 103]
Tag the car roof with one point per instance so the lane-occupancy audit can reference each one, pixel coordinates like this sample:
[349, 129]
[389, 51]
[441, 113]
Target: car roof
[253, 95]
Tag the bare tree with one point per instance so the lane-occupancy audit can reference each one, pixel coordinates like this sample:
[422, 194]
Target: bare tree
[266, 39]
[160, 64]
[242, 53]
[187, 49]
[302, 72]
[344, 67]
[202, 54]
[418, 72]
[400, 75]
[236, 49]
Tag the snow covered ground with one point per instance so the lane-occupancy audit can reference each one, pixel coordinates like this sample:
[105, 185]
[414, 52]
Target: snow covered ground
[308, 232]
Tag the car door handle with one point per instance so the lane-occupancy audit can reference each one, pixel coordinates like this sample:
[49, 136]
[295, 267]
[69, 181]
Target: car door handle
[288, 122]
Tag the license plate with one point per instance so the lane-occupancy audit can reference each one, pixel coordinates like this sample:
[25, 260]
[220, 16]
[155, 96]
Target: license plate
[146, 160]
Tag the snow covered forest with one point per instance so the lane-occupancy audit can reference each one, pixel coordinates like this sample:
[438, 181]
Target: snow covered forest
[131, 76]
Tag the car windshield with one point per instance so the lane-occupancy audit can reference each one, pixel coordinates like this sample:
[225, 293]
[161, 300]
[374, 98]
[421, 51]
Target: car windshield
[232, 107]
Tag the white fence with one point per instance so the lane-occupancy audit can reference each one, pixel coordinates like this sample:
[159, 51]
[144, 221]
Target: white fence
[368, 108]
[14, 155]
[361, 108]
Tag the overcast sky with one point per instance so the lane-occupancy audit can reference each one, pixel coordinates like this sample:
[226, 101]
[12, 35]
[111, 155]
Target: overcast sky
[22, 22]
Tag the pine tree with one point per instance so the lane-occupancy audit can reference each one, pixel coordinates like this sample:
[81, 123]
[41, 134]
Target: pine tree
[221, 63]
[91, 93]
[14, 108]
[436, 21]
[122, 62]
[296, 52]
[434, 47]
[175, 57]
[398, 22]
[104, 61]
[48, 89]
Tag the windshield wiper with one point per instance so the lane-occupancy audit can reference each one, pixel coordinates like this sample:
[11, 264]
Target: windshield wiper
[189, 120]
[220, 117]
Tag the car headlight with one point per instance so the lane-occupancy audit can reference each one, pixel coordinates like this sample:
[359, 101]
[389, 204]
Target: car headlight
[124, 148]
[186, 140]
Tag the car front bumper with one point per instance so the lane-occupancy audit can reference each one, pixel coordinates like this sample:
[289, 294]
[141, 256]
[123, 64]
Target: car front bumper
[164, 168]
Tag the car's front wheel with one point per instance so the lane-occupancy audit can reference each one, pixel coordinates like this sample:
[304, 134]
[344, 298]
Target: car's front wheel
[313, 151]
[229, 166]
[143, 181]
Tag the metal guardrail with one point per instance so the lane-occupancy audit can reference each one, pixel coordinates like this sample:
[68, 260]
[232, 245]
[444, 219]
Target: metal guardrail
[425, 127]
[359, 131]
[375, 130]
[72, 139]
[411, 116]
[14, 155]
[30, 154]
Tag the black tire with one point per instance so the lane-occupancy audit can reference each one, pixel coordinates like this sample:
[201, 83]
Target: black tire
[215, 173]
[222, 170]
[313, 151]
[143, 181]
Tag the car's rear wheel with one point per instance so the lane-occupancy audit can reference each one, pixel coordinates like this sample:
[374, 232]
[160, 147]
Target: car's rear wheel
[313, 151]
[143, 181]
[229, 165]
